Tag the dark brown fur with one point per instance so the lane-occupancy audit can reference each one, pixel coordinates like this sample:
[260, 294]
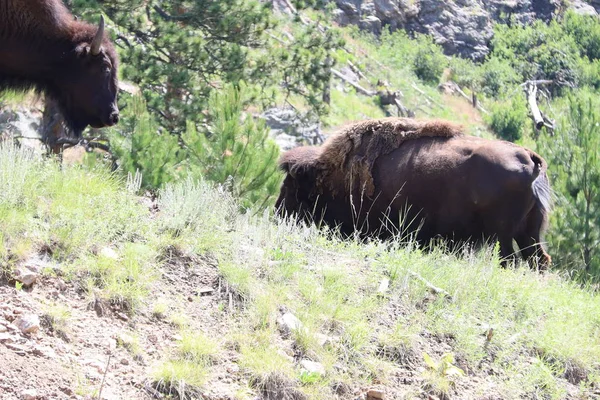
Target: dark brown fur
[444, 182]
[42, 46]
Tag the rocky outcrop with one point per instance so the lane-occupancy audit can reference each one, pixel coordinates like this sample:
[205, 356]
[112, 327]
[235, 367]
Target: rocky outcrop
[462, 27]
[290, 130]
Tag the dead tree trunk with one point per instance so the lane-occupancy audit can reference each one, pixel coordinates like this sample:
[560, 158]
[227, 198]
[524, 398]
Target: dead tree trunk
[531, 91]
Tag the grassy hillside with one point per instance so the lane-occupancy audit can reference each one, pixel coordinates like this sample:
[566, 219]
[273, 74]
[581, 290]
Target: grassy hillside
[192, 295]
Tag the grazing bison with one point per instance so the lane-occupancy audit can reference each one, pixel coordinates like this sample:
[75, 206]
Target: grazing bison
[42, 46]
[395, 175]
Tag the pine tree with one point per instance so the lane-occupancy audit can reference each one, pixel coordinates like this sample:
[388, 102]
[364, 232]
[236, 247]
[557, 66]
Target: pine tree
[573, 154]
[237, 151]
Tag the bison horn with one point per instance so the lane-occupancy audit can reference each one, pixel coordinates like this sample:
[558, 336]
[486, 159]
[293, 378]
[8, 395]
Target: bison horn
[95, 46]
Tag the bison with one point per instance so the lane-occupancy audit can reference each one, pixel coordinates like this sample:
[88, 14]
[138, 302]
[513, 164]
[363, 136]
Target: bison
[388, 176]
[42, 46]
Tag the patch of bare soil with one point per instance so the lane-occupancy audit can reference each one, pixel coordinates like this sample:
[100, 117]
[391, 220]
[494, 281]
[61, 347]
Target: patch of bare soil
[99, 347]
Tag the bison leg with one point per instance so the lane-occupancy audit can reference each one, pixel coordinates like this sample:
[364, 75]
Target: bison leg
[529, 241]
[507, 251]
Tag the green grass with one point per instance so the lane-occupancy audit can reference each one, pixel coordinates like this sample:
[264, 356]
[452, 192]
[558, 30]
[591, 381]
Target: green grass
[187, 370]
[545, 328]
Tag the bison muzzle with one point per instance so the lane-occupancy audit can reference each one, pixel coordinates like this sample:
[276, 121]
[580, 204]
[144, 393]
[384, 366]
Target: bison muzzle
[381, 178]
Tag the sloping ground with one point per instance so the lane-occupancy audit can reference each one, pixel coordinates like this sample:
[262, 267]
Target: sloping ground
[183, 297]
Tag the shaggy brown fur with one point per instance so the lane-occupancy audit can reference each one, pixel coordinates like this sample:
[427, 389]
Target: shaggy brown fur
[356, 147]
[395, 175]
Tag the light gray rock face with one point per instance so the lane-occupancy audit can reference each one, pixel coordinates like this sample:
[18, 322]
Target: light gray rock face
[462, 27]
[289, 130]
[583, 8]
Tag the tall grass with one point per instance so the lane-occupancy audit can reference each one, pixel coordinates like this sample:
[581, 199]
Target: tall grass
[537, 332]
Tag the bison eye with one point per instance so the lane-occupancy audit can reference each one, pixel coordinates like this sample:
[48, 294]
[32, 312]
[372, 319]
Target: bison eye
[106, 71]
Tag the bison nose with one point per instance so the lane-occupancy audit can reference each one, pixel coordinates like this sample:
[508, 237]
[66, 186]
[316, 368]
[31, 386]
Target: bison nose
[114, 118]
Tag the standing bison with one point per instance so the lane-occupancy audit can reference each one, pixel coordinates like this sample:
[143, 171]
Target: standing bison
[395, 175]
[42, 46]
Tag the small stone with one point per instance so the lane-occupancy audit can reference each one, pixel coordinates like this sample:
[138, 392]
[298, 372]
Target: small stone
[29, 394]
[233, 368]
[26, 276]
[176, 337]
[374, 394]
[313, 367]
[205, 291]
[384, 285]
[66, 390]
[289, 322]
[122, 316]
[124, 361]
[43, 351]
[3, 329]
[28, 323]
[107, 252]
[97, 365]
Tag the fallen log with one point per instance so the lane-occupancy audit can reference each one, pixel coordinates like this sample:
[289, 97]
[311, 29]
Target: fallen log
[356, 86]
[531, 92]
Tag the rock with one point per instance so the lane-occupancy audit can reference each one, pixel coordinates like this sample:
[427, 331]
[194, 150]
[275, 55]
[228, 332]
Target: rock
[97, 365]
[122, 316]
[370, 24]
[124, 361]
[107, 252]
[43, 351]
[582, 8]
[290, 129]
[3, 328]
[205, 291]
[383, 286]
[29, 394]
[374, 394]
[28, 323]
[313, 367]
[462, 27]
[286, 142]
[26, 276]
[289, 323]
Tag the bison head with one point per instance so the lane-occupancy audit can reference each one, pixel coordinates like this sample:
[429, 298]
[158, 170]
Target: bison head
[86, 83]
[299, 190]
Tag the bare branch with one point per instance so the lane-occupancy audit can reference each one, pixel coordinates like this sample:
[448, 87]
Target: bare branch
[358, 88]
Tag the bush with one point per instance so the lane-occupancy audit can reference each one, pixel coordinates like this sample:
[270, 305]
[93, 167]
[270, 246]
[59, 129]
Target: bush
[142, 147]
[507, 118]
[465, 73]
[236, 150]
[496, 77]
[429, 61]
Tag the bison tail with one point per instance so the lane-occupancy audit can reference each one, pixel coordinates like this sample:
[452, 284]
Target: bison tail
[541, 186]
[543, 195]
